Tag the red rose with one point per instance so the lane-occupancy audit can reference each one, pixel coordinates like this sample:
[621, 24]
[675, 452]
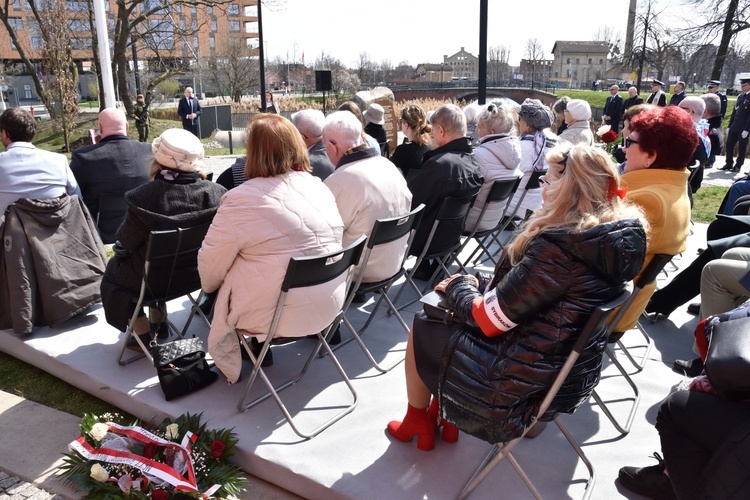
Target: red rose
[159, 495]
[609, 137]
[150, 450]
[217, 448]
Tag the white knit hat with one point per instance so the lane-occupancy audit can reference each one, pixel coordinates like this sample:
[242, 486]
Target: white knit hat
[374, 114]
[178, 149]
[579, 110]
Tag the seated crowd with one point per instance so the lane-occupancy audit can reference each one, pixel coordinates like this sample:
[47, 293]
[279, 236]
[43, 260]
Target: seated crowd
[315, 184]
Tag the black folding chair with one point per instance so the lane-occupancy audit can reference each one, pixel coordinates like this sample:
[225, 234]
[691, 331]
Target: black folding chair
[647, 277]
[593, 327]
[305, 272]
[501, 191]
[452, 213]
[384, 231]
[112, 211]
[174, 254]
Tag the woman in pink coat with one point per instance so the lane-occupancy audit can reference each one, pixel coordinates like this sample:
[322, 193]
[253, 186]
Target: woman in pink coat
[280, 212]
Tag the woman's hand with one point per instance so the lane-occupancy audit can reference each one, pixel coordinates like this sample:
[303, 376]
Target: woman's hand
[440, 287]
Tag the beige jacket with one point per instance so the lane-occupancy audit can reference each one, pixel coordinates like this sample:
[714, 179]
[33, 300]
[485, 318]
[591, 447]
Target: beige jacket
[260, 225]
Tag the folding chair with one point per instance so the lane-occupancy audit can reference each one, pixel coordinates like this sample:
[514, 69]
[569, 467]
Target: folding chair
[112, 211]
[452, 212]
[501, 191]
[532, 183]
[384, 231]
[594, 325]
[173, 253]
[305, 272]
[647, 277]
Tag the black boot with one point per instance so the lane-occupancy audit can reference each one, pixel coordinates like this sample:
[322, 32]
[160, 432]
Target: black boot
[650, 482]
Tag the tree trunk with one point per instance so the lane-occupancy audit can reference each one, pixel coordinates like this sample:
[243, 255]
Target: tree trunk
[726, 37]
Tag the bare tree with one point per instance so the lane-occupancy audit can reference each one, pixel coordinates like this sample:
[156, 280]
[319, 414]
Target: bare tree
[342, 80]
[613, 40]
[498, 68]
[233, 70]
[723, 19]
[652, 46]
[59, 71]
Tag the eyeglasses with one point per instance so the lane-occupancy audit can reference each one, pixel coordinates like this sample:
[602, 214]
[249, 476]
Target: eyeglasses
[564, 161]
[543, 180]
[629, 142]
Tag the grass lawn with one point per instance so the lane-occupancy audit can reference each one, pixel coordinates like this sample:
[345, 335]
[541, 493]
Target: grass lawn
[706, 203]
[29, 382]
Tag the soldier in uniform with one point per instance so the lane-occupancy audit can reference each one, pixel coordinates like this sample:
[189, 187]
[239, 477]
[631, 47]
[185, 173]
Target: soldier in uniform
[142, 121]
[657, 97]
[713, 88]
[739, 128]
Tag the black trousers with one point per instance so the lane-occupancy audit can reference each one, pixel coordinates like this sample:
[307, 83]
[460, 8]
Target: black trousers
[723, 233]
[732, 139]
[692, 426]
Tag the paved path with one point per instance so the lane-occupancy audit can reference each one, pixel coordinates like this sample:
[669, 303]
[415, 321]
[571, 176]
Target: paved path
[12, 488]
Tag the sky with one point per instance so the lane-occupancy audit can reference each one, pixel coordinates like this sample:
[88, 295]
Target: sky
[420, 31]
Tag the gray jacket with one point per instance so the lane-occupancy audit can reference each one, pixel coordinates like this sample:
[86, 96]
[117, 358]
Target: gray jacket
[58, 236]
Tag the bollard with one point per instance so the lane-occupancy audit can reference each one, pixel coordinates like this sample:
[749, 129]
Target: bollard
[231, 149]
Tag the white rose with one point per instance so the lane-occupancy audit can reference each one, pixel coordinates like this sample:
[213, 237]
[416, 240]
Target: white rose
[99, 473]
[603, 130]
[173, 431]
[98, 431]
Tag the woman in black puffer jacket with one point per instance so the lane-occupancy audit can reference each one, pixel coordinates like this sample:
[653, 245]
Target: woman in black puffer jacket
[490, 370]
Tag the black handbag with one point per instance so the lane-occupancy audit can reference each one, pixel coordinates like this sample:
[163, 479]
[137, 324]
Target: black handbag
[182, 367]
[728, 361]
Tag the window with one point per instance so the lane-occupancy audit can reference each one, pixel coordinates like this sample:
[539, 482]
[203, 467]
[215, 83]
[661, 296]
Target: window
[195, 44]
[78, 25]
[251, 27]
[194, 24]
[80, 43]
[210, 10]
[147, 5]
[75, 6]
[16, 22]
[578, 61]
[17, 4]
[251, 11]
[233, 9]
[589, 60]
[192, 9]
[568, 61]
[36, 42]
[213, 24]
[27, 91]
[211, 42]
[162, 35]
[182, 23]
[234, 25]
[601, 61]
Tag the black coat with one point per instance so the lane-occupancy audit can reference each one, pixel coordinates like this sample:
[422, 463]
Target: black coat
[631, 101]
[613, 109]
[662, 99]
[408, 157]
[115, 165]
[490, 387]
[158, 205]
[676, 99]
[450, 170]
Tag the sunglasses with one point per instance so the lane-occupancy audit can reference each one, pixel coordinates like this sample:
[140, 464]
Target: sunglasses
[543, 180]
[628, 142]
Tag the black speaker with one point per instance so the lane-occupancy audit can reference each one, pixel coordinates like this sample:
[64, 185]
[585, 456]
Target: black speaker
[323, 80]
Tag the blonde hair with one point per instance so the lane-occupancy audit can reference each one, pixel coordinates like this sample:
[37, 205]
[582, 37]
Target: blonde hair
[416, 119]
[579, 195]
[157, 167]
[498, 117]
[274, 146]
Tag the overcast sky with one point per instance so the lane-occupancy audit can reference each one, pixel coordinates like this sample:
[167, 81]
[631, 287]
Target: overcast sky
[420, 31]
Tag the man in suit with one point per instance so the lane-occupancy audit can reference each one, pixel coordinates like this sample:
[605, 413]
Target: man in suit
[114, 165]
[613, 108]
[25, 171]
[189, 110]
[657, 96]
[310, 124]
[739, 128]
[633, 99]
[713, 88]
[679, 94]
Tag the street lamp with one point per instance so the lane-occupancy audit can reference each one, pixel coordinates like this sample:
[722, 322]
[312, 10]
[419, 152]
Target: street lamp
[694, 75]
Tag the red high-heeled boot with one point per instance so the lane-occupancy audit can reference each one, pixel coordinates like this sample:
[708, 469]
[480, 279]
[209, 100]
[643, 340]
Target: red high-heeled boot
[450, 431]
[416, 423]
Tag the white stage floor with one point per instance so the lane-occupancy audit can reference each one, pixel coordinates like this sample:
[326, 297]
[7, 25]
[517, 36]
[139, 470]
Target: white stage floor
[355, 458]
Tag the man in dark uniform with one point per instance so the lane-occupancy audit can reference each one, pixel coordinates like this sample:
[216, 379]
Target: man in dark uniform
[633, 99]
[713, 88]
[613, 109]
[657, 96]
[189, 110]
[739, 128]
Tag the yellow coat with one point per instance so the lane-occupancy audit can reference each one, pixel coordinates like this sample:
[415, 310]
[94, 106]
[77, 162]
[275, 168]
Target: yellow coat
[662, 195]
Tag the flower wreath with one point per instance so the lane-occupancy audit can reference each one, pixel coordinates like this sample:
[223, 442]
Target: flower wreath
[177, 459]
